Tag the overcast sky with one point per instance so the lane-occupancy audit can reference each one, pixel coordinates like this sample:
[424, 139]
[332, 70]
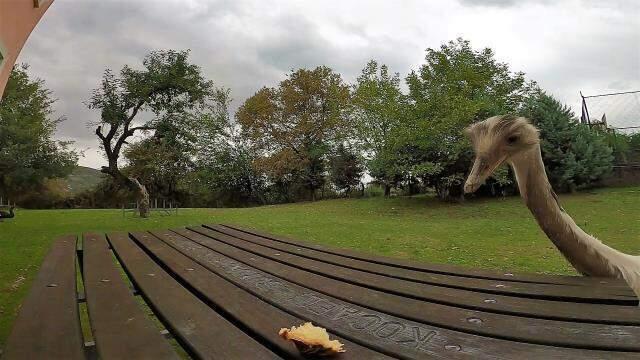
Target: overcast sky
[566, 46]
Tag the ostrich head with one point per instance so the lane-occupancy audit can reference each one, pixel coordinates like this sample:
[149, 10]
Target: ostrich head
[497, 140]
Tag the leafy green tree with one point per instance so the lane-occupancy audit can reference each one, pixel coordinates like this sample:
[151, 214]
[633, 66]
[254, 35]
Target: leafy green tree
[169, 89]
[620, 145]
[626, 147]
[575, 156]
[227, 177]
[378, 109]
[28, 153]
[634, 148]
[345, 169]
[224, 173]
[294, 126]
[456, 86]
[160, 161]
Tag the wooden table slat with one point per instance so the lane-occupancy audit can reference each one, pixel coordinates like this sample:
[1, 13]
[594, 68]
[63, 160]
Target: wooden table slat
[616, 284]
[438, 342]
[48, 324]
[262, 318]
[541, 331]
[223, 292]
[608, 295]
[200, 329]
[559, 310]
[120, 328]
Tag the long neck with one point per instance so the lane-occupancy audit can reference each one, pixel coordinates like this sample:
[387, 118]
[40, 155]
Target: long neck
[587, 254]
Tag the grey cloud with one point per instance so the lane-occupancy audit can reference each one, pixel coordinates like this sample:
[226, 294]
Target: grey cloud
[502, 3]
[608, 4]
[246, 44]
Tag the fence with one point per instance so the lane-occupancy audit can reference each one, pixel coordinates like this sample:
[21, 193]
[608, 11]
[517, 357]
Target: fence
[8, 204]
[168, 207]
[619, 111]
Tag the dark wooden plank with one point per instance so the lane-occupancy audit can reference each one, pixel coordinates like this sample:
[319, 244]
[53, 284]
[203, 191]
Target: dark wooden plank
[200, 329]
[361, 322]
[263, 319]
[120, 328]
[48, 324]
[560, 310]
[615, 284]
[516, 328]
[592, 291]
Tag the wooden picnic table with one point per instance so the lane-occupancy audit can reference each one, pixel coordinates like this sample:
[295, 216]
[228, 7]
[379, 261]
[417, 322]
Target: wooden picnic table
[223, 292]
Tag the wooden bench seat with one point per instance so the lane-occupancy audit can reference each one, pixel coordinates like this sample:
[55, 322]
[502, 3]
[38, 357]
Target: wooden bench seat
[48, 324]
[223, 292]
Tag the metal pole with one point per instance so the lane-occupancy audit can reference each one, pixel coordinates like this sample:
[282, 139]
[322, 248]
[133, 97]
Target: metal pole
[585, 109]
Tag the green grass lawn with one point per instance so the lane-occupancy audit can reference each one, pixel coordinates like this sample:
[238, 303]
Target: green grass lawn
[498, 234]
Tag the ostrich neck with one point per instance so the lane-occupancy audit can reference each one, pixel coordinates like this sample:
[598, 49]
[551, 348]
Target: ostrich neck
[587, 254]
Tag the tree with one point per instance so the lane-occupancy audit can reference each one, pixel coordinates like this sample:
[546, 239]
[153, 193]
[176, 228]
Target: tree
[160, 161]
[169, 89]
[224, 172]
[226, 177]
[345, 169]
[456, 86]
[379, 108]
[294, 125]
[626, 147]
[28, 153]
[575, 156]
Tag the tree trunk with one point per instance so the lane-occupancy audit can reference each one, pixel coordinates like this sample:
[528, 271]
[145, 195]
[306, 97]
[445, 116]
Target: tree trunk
[142, 196]
[413, 188]
[387, 190]
[443, 192]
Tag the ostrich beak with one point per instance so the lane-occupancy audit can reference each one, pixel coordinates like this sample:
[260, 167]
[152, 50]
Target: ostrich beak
[482, 168]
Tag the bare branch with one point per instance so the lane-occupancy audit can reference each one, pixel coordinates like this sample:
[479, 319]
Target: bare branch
[141, 128]
[99, 133]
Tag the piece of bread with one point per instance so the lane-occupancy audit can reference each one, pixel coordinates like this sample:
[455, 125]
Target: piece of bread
[312, 340]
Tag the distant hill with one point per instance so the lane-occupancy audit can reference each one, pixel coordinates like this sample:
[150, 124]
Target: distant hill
[83, 178]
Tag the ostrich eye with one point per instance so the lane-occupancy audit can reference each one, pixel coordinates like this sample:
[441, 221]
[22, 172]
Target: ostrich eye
[512, 139]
